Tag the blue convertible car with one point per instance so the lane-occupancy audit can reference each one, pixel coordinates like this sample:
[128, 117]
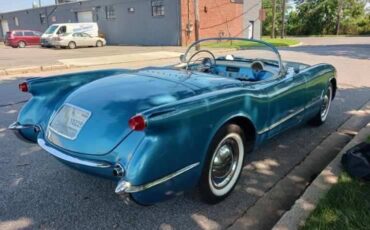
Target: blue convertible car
[160, 131]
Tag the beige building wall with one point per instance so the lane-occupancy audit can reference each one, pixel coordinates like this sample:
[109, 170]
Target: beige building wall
[252, 23]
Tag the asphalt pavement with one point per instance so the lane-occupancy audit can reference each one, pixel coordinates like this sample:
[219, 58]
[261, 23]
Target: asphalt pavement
[36, 191]
[36, 56]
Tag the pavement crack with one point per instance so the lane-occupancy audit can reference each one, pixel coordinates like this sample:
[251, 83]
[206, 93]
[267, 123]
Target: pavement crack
[11, 104]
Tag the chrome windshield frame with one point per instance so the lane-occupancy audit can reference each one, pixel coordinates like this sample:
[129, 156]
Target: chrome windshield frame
[273, 49]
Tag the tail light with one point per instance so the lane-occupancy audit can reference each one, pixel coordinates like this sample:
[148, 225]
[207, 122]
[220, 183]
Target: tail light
[23, 87]
[137, 123]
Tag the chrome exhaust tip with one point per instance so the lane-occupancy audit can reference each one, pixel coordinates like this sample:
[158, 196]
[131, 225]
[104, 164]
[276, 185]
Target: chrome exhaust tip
[118, 171]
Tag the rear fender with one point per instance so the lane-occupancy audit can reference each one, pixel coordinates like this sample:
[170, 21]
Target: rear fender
[49, 93]
[178, 136]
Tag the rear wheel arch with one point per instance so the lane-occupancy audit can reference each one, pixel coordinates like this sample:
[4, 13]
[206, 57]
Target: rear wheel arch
[22, 41]
[72, 45]
[249, 130]
[99, 43]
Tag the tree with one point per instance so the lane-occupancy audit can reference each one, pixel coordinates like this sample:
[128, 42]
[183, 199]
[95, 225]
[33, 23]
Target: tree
[319, 17]
[273, 18]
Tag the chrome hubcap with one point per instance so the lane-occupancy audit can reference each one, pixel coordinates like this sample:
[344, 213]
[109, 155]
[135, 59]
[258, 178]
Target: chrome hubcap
[326, 104]
[224, 163]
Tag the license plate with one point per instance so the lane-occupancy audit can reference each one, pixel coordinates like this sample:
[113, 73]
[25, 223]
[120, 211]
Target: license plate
[69, 121]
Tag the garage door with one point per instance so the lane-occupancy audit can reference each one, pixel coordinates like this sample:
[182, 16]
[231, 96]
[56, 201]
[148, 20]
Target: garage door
[85, 16]
[4, 27]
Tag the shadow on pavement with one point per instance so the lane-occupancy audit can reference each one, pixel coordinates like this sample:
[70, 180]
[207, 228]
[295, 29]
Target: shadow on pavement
[355, 51]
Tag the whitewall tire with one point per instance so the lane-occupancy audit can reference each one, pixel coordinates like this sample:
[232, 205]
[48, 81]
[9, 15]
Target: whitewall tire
[223, 165]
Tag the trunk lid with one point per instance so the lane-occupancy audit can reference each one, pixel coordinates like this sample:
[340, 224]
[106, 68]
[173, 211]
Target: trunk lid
[104, 108]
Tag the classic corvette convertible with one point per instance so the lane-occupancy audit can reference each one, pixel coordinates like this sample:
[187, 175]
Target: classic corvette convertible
[160, 131]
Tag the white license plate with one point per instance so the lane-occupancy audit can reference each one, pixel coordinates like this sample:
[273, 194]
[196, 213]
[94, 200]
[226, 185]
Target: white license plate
[69, 121]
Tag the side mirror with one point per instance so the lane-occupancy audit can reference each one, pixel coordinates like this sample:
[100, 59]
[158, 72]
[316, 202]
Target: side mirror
[182, 58]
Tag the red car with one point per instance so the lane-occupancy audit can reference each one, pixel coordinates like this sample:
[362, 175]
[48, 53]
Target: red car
[22, 38]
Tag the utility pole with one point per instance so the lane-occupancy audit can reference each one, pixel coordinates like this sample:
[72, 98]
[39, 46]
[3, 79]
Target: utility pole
[197, 21]
[283, 19]
[339, 16]
[273, 18]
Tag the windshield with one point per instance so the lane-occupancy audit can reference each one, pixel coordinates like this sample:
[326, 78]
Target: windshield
[51, 30]
[234, 52]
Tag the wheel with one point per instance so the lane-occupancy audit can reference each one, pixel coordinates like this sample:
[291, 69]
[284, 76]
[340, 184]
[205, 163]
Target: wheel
[72, 45]
[223, 165]
[21, 44]
[99, 44]
[322, 115]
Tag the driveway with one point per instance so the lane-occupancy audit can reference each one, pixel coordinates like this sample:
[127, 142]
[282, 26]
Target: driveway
[39, 192]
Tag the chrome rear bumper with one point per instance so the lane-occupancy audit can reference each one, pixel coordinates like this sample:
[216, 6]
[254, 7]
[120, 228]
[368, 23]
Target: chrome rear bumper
[74, 160]
[126, 187]
[17, 126]
[123, 186]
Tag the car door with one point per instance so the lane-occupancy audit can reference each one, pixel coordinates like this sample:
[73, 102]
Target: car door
[287, 101]
[29, 37]
[36, 37]
[88, 40]
[77, 39]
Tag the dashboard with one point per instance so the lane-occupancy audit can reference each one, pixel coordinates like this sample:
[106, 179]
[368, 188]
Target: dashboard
[238, 72]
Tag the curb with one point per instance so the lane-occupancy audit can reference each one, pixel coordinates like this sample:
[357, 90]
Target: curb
[280, 198]
[33, 69]
[21, 70]
[296, 45]
[301, 210]
[38, 69]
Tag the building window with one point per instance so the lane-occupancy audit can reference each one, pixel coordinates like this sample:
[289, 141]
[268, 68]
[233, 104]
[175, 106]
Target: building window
[157, 8]
[109, 12]
[16, 21]
[43, 18]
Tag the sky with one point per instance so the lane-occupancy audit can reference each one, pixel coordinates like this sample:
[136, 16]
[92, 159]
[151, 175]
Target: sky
[12, 5]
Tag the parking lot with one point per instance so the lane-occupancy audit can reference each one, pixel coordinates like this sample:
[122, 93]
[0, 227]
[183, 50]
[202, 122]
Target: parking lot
[36, 56]
[39, 192]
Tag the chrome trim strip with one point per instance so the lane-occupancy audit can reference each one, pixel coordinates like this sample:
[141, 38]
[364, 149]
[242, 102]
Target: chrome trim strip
[281, 121]
[17, 126]
[126, 187]
[74, 160]
[313, 103]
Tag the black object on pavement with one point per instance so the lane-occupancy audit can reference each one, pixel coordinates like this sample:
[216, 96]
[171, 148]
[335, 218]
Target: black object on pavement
[356, 161]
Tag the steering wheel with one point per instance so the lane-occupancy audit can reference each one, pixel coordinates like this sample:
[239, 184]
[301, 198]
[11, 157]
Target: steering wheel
[205, 62]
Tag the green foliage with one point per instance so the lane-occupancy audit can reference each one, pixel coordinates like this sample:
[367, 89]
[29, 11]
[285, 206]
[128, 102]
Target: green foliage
[346, 206]
[319, 17]
[267, 24]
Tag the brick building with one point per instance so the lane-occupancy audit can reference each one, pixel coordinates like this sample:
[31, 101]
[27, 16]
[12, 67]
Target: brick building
[145, 22]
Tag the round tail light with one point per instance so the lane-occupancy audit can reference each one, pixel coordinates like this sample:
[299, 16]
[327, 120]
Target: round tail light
[23, 87]
[137, 123]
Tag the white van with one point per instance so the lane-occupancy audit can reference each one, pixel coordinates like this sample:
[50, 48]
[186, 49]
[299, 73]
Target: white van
[66, 28]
